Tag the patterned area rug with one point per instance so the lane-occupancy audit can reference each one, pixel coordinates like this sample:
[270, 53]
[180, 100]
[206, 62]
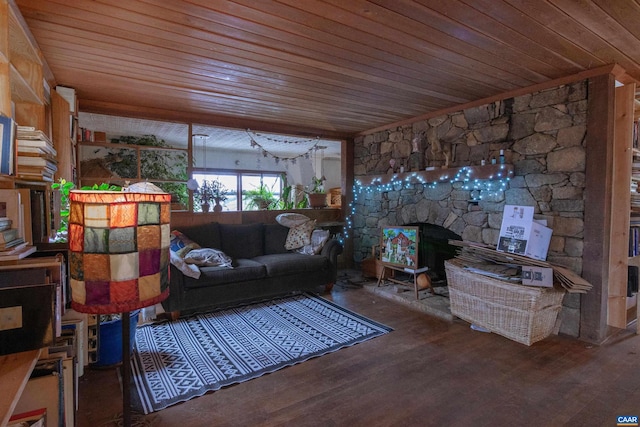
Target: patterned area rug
[176, 361]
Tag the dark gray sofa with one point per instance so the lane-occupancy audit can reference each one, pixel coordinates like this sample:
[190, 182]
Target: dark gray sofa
[263, 268]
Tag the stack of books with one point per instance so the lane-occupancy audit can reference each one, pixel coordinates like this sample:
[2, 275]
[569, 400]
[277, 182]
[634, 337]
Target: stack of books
[10, 242]
[36, 155]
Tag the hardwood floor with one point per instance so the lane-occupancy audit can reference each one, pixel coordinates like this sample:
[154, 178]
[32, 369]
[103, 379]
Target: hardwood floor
[427, 372]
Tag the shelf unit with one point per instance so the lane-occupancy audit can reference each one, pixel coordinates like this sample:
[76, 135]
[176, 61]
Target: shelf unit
[26, 96]
[622, 310]
[25, 82]
[16, 368]
[632, 306]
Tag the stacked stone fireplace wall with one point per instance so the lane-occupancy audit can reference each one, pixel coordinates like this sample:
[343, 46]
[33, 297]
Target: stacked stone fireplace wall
[542, 135]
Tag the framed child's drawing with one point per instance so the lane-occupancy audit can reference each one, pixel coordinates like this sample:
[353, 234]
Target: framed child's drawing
[399, 246]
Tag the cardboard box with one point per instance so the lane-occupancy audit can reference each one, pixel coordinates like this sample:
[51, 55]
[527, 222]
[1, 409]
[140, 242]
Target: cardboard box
[537, 276]
[521, 234]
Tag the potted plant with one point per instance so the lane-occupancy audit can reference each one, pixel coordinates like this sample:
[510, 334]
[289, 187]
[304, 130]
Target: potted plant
[316, 194]
[211, 191]
[204, 195]
[260, 198]
[219, 194]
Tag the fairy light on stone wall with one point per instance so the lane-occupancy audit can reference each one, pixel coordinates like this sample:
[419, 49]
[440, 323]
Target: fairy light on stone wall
[479, 189]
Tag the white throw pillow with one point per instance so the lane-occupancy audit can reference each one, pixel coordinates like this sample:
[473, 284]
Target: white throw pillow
[291, 219]
[189, 270]
[299, 235]
[318, 239]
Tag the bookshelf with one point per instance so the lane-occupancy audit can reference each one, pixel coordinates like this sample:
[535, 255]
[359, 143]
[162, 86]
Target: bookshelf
[37, 114]
[15, 370]
[632, 306]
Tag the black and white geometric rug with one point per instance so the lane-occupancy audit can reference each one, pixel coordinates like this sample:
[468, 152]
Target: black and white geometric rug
[177, 361]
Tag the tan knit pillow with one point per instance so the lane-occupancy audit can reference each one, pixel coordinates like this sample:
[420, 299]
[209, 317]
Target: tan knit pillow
[299, 235]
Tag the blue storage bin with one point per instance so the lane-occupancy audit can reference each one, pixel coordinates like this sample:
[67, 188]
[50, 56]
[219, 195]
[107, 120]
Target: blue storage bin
[110, 340]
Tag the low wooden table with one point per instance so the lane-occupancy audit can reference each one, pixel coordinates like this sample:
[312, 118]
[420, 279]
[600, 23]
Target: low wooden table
[412, 271]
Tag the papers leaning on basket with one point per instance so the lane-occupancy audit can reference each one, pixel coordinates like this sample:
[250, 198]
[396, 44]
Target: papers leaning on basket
[484, 257]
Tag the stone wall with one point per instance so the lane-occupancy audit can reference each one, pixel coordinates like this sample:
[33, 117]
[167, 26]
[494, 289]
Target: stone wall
[542, 135]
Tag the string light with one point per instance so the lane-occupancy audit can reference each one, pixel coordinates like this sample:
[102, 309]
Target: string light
[480, 188]
[286, 160]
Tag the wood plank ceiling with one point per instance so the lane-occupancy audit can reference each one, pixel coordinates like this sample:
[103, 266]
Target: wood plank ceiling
[323, 67]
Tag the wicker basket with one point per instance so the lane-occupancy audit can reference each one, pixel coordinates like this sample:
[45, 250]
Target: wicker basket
[525, 314]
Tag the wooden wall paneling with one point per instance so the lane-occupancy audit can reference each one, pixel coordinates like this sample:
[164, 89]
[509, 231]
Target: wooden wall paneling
[30, 114]
[620, 203]
[26, 73]
[597, 216]
[5, 86]
[61, 136]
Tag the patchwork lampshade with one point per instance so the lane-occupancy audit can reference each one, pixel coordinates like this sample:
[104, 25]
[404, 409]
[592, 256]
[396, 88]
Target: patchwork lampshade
[119, 250]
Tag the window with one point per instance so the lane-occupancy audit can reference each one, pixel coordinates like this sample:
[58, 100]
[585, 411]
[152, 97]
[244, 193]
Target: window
[259, 189]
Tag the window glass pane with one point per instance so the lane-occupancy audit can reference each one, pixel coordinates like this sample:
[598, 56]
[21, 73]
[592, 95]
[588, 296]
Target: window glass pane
[260, 191]
[230, 184]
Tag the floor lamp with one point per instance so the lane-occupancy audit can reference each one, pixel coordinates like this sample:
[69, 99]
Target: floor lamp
[119, 259]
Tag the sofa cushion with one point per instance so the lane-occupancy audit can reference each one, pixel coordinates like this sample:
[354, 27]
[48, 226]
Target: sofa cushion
[244, 270]
[300, 235]
[242, 240]
[206, 235]
[275, 235]
[292, 263]
[181, 244]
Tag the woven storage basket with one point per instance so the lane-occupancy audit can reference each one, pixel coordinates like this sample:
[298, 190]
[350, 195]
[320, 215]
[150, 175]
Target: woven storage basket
[525, 314]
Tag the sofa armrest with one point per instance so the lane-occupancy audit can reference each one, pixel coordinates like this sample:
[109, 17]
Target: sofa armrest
[331, 250]
[176, 288]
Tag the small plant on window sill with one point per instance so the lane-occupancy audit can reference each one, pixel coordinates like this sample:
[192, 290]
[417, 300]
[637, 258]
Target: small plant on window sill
[317, 185]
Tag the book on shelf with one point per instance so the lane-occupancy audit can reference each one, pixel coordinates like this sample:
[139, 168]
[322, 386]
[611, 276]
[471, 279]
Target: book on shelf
[8, 235]
[34, 418]
[12, 244]
[36, 173]
[15, 250]
[37, 161]
[5, 223]
[21, 251]
[25, 150]
[42, 145]
[7, 143]
[31, 133]
[38, 156]
[10, 207]
[35, 177]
